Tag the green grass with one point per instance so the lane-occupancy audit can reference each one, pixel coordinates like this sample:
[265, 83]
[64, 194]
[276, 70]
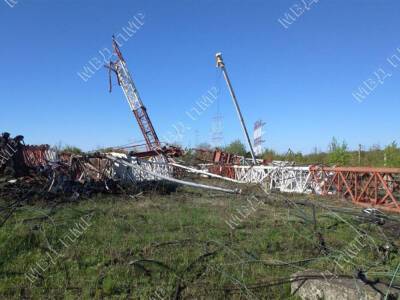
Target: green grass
[135, 248]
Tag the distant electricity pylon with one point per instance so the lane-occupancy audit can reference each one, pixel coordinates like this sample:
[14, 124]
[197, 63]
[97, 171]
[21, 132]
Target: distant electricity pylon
[258, 137]
[217, 131]
[196, 138]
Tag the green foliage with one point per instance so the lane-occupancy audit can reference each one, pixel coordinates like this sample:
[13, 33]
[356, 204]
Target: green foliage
[269, 155]
[72, 149]
[108, 149]
[67, 148]
[189, 157]
[338, 153]
[236, 147]
[392, 154]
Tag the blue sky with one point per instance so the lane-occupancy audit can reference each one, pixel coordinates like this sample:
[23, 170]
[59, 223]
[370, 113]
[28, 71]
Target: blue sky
[299, 79]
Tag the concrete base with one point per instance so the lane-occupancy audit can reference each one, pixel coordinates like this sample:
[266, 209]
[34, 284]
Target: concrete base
[330, 288]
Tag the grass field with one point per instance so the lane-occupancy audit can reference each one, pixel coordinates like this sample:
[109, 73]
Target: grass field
[186, 244]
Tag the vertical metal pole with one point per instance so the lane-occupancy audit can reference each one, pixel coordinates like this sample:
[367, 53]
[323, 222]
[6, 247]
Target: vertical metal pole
[220, 64]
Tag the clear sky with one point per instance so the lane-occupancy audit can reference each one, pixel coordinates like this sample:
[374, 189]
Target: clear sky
[298, 79]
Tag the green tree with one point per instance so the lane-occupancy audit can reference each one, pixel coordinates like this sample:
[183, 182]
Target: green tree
[338, 153]
[67, 148]
[374, 157]
[236, 147]
[72, 149]
[269, 155]
[392, 154]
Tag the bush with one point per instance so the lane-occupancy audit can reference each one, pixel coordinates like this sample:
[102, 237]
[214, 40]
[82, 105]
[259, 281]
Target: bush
[236, 147]
[338, 153]
[392, 155]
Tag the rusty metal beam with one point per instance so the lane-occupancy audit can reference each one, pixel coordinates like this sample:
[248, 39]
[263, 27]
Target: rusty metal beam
[372, 187]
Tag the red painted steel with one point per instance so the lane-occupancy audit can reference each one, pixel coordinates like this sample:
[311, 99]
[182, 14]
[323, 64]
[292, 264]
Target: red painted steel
[139, 110]
[377, 187]
[35, 156]
[369, 187]
[222, 170]
[217, 156]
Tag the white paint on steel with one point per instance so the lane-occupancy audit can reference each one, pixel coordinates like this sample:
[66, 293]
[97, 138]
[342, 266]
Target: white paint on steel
[152, 170]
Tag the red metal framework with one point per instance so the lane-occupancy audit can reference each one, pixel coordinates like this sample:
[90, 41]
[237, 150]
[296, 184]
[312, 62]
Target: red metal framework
[217, 156]
[125, 80]
[378, 187]
[222, 170]
[35, 156]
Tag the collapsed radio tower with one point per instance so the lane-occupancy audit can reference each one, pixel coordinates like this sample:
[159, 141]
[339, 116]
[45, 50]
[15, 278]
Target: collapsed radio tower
[120, 68]
[258, 137]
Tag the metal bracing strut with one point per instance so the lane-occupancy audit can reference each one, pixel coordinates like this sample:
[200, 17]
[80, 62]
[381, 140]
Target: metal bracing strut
[221, 64]
[120, 68]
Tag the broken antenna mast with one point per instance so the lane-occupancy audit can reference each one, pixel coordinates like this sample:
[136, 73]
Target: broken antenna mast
[120, 68]
[221, 65]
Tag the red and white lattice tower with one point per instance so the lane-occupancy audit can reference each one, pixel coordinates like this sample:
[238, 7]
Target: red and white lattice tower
[135, 102]
[258, 137]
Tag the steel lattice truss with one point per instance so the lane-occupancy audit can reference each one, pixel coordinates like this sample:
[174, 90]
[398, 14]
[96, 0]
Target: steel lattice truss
[283, 178]
[124, 171]
[132, 95]
[371, 187]
[38, 155]
[364, 186]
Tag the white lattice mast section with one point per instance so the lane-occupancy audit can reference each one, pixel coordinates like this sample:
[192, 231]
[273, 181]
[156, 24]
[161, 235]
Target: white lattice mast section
[283, 178]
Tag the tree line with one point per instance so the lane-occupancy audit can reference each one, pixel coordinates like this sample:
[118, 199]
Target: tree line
[337, 154]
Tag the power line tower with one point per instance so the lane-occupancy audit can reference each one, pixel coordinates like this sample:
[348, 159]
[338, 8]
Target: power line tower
[196, 138]
[217, 131]
[258, 137]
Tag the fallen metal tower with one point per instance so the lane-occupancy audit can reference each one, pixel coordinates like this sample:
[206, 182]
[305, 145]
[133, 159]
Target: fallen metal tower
[368, 187]
[120, 68]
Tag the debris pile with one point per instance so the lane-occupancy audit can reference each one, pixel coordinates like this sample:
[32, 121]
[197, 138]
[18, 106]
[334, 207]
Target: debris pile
[29, 172]
[11, 155]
